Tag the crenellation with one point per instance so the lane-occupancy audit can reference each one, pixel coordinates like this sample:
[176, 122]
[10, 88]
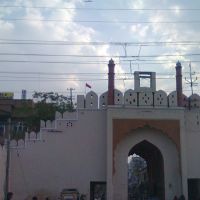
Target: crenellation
[91, 100]
[103, 100]
[160, 99]
[118, 97]
[172, 99]
[21, 143]
[32, 136]
[194, 100]
[48, 124]
[145, 99]
[42, 124]
[130, 98]
[58, 115]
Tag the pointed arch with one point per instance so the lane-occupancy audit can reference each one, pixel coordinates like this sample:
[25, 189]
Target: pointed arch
[155, 167]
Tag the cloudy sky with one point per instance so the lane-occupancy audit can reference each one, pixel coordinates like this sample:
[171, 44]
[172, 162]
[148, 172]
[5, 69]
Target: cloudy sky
[60, 44]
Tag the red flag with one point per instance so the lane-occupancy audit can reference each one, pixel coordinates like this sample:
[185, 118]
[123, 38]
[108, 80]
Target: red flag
[87, 85]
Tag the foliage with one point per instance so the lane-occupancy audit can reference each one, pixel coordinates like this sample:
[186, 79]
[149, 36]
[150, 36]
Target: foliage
[47, 103]
[53, 101]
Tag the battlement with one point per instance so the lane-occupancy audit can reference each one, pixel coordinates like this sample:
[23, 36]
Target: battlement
[135, 98]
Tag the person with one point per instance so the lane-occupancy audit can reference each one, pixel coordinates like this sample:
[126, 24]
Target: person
[47, 198]
[175, 198]
[9, 195]
[34, 198]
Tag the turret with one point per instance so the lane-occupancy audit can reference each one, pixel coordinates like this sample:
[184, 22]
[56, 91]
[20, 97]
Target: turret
[111, 82]
[179, 89]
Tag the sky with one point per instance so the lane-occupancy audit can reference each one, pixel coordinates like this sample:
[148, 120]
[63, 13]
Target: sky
[60, 44]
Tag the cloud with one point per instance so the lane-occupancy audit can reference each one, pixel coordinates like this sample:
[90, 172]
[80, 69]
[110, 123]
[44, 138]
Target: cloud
[141, 30]
[89, 32]
[137, 4]
[42, 30]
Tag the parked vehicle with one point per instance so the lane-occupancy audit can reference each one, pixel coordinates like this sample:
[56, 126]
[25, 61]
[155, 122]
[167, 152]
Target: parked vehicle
[70, 194]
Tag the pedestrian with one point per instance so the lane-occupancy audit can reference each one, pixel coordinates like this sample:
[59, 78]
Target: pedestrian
[9, 195]
[175, 198]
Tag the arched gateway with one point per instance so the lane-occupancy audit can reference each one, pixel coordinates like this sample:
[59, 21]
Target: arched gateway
[147, 181]
[162, 158]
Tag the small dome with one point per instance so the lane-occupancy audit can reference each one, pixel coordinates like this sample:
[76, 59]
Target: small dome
[178, 64]
[111, 61]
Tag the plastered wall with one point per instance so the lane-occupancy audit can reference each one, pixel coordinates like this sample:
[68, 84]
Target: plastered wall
[193, 140]
[69, 156]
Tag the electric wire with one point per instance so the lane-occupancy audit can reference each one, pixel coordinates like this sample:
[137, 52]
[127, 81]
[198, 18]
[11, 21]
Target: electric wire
[103, 9]
[74, 73]
[98, 56]
[101, 21]
[64, 42]
[83, 63]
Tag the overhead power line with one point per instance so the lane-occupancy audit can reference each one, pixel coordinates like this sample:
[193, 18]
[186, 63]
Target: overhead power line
[47, 79]
[57, 42]
[72, 73]
[53, 62]
[70, 79]
[91, 56]
[96, 9]
[102, 21]
[94, 63]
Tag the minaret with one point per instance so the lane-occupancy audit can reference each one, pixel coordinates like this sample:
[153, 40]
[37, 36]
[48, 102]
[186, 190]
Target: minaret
[179, 89]
[111, 82]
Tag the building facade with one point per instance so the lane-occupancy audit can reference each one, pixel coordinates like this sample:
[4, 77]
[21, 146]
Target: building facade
[88, 149]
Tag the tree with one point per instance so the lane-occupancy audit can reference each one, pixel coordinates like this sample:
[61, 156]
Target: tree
[47, 103]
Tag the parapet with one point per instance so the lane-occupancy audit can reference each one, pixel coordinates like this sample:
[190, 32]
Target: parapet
[91, 100]
[135, 98]
[194, 101]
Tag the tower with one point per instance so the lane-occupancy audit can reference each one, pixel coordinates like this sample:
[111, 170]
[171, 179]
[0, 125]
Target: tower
[111, 82]
[179, 89]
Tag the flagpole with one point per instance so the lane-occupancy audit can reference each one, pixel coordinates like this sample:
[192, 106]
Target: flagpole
[87, 85]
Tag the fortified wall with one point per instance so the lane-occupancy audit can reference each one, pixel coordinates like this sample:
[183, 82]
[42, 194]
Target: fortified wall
[130, 99]
[78, 148]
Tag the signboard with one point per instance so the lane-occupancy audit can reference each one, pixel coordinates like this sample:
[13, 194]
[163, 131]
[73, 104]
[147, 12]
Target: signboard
[6, 95]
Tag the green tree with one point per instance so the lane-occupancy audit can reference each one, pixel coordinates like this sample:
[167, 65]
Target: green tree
[47, 103]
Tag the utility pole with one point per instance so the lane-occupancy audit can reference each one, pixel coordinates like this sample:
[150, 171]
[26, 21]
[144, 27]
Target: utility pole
[191, 81]
[71, 95]
[7, 159]
[125, 49]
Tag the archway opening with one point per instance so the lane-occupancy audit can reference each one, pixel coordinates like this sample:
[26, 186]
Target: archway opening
[145, 172]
